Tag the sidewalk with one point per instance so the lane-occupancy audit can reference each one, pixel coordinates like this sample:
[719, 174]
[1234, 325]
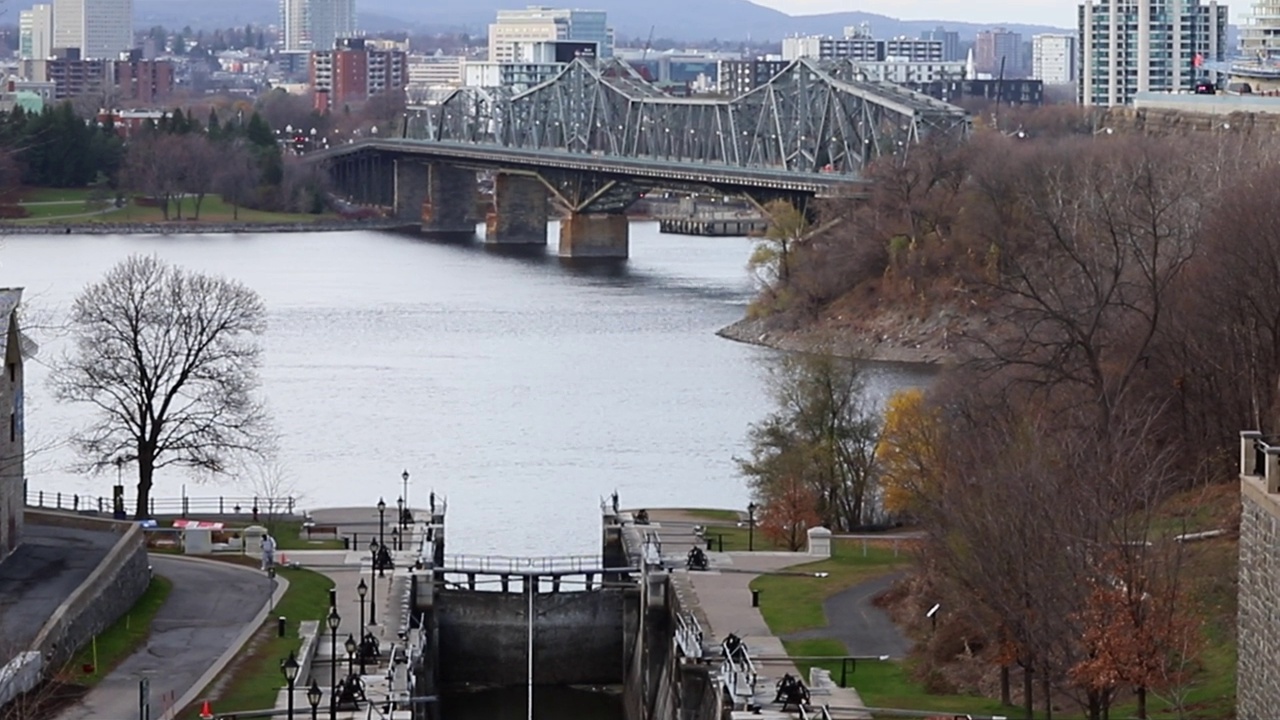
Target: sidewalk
[721, 599]
[383, 609]
[201, 625]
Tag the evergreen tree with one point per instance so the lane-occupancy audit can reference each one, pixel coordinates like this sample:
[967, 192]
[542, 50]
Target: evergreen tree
[214, 129]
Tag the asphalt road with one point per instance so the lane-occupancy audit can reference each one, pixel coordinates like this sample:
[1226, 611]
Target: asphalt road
[864, 628]
[209, 606]
[49, 564]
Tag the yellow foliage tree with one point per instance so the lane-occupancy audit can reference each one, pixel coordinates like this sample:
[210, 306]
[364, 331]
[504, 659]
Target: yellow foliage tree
[908, 450]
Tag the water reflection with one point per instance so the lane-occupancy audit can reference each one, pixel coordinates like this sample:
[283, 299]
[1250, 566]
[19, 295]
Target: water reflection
[549, 703]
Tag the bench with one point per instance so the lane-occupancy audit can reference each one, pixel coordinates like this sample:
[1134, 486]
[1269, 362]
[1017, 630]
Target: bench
[328, 532]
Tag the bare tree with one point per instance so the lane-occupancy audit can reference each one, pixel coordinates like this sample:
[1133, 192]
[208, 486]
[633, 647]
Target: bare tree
[238, 175]
[202, 161]
[169, 359]
[274, 489]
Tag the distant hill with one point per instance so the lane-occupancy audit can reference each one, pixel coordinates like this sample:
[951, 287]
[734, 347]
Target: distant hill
[674, 19]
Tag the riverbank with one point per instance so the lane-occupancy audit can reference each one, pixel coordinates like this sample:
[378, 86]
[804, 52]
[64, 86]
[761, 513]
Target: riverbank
[882, 336]
[196, 228]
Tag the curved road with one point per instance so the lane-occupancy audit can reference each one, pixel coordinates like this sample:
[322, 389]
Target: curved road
[854, 619]
[208, 608]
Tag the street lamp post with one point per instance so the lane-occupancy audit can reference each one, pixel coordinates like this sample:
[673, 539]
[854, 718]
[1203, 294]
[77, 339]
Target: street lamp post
[373, 583]
[405, 477]
[290, 668]
[751, 526]
[400, 523]
[313, 697]
[382, 512]
[350, 645]
[334, 620]
[362, 590]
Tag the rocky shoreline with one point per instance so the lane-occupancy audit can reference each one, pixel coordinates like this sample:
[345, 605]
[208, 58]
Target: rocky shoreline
[842, 342]
[197, 228]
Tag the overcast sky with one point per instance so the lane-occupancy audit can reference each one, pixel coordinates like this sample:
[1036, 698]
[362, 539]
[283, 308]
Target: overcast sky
[1059, 13]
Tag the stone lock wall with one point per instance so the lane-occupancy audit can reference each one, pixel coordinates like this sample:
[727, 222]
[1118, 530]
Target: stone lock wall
[1258, 621]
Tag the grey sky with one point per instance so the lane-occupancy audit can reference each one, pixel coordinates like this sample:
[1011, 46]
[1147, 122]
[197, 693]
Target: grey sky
[1059, 13]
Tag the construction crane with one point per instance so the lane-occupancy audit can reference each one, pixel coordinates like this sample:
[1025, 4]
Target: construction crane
[647, 44]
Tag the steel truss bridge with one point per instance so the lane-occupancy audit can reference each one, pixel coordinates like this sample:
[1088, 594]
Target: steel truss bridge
[598, 134]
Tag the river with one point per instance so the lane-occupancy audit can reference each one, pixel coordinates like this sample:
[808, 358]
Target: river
[522, 388]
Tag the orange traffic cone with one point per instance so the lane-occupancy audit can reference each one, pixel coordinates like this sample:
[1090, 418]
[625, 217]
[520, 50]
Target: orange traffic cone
[284, 560]
[206, 712]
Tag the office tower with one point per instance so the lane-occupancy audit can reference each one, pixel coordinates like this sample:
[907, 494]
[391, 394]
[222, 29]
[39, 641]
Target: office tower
[537, 23]
[1053, 59]
[315, 24]
[101, 29]
[35, 32]
[1132, 46]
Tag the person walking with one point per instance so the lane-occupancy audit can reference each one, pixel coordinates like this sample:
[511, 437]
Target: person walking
[268, 552]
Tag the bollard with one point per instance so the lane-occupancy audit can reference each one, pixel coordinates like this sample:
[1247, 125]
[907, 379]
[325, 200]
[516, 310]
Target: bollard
[755, 598]
[711, 544]
[280, 625]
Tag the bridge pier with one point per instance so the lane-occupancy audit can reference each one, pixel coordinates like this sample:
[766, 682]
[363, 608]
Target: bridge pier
[519, 215]
[594, 235]
[411, 190]
[450, 200]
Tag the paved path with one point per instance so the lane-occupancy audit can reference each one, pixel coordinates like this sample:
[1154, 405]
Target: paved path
[206, 613]
[853, 619]
[46, 568]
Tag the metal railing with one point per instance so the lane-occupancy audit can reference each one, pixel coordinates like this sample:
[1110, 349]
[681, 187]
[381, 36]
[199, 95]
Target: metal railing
[505, 565]
[179, 506]
[689, 635]
[738, 674]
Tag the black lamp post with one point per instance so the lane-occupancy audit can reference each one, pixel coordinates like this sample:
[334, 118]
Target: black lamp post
[334, 620]
[373, 583]
[350, 644]
[751, 526]
[290, 669]
[361, 589]
[313, 697]
[382, 512]
[400, 505]
[405, 477]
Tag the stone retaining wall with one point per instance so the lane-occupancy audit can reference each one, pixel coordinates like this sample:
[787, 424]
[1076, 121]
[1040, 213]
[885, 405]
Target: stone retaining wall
[1258, 691]
[108, 593]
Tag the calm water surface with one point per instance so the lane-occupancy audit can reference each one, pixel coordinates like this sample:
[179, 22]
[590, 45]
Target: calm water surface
[521, 388]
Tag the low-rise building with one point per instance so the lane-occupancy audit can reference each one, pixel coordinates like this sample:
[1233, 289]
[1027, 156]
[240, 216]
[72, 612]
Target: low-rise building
[12, 457]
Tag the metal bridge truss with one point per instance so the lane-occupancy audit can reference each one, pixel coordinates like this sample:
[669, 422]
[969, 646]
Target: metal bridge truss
[812, 117]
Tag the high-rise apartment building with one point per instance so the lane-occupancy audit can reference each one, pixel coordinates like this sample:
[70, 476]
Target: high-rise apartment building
[864, 49]
[353, 72]
[1260, 31]
[1132, 46]
[950, 40]
[307, 25]
[1053, 59]
[35, 32]
[994, 48]
[541, 24]
[101, 29]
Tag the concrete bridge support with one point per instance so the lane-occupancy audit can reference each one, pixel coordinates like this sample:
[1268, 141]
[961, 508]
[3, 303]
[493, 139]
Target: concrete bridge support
[450, 207]
[411, 190]
[594, 235]
[519, 214]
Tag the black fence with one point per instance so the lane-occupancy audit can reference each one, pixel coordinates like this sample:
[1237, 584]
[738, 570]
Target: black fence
[184, 506]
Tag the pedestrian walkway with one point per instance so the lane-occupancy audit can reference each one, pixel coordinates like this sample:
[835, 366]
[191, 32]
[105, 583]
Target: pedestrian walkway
[211, 611]
[721, 598]
[381, 612]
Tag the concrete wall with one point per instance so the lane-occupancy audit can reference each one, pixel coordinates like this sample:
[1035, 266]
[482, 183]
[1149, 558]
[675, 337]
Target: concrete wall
[107, 594]
[1258, 691]
[578, 637]
[12, 464]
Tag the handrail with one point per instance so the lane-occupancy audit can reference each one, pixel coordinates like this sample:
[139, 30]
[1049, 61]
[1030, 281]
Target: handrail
[180, 506]
[689, 635]
[526, 565]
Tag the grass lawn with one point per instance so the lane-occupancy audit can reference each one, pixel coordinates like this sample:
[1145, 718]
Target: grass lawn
[253, 679]
[119, 641]
[35, 195]
[790, 603]
[290, 535]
